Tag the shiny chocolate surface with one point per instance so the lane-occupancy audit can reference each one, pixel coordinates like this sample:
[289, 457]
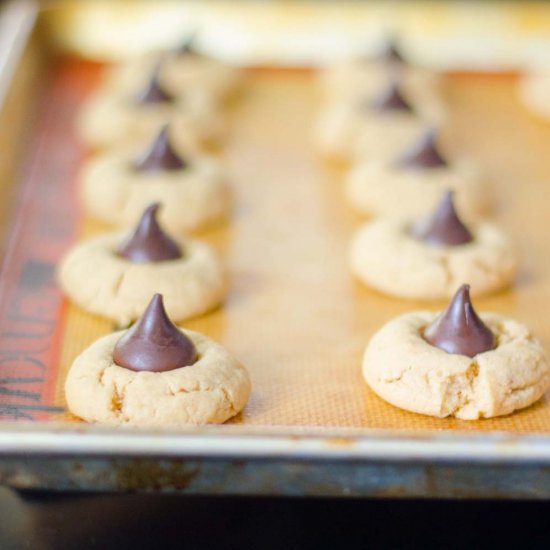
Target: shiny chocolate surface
[148, 242]
[154, 92]
[160, 156]
[154, 343]
[424, 154]
[459, 330]
[443, 227]
[391, 100]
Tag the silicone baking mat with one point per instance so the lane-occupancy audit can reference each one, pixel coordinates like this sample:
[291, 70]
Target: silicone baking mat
[294, 315]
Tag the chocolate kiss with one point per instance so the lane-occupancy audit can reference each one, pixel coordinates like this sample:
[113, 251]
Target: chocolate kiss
[444, 226]
[187, 47]
[153, 91]
[160, 156]
[154, 343]
[424, 154]
[391, 100]
[459, 329]
[149, 243]
[391, 52]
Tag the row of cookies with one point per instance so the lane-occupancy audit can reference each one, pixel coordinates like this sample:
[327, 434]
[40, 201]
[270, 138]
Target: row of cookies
[382, 116]
[149, 126]
[182, 87]
[376, 106]
[426, 203]
[130, 186]
[152, 123]
[456, 363]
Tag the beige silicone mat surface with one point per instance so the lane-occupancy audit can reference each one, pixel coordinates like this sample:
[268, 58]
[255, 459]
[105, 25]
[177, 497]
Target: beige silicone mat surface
[294, 316]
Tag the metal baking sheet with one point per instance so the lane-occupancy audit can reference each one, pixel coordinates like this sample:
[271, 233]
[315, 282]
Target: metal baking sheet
[294, 315]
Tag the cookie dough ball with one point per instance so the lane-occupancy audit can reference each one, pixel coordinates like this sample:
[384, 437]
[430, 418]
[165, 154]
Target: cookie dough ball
[114, 275]
[367, 129]
[183, 71]
[428, 261]
[534, 93]
[156, 376]
[116, 187]
[412, 185]
[408, 371]
[132, 117]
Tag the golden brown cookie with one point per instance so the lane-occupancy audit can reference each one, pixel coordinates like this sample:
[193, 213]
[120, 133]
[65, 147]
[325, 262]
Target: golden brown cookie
[117, 186]
[411, 183]
[408, 371]
[155, 375]
[183, 70]
[379, 128]
[389, 255]
[133, 116]
[108, 275]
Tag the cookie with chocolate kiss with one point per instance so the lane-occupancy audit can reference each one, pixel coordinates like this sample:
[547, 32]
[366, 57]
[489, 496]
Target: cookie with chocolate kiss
[411, 182]
[115, 274]
[155, 375]
[370, 123]
[154, 343]
[193, 70]
[457, 363]
[139, 96]
[124, 116]
[430, 258]
[118, 186]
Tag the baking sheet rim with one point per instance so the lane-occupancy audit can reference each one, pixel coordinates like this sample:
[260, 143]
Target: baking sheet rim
[274, 442]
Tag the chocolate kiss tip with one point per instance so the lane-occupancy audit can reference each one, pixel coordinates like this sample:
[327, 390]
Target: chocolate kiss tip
[154, 343]
[391, 52]
[187, 47]
[458, 329]
[160, 156]
[424, 154]
[149, 243]
[153, 91]
[444, 226]
[392, 100]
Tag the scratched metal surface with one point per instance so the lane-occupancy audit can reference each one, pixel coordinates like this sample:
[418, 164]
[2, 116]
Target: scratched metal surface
[509, 461]
[279, 478]
[215, 461]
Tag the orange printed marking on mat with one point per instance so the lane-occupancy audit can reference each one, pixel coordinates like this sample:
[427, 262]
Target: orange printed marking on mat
[32, 308]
